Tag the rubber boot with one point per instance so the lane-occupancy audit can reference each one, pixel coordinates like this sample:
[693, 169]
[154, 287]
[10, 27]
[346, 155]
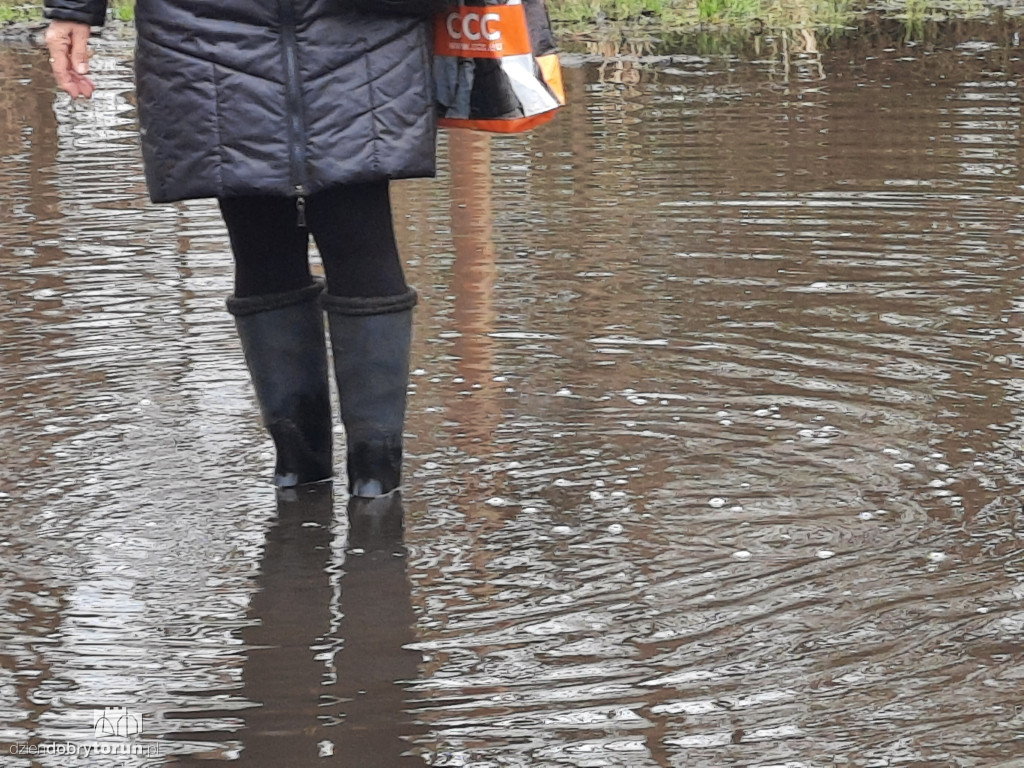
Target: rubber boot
[285, 349]
[370, 338]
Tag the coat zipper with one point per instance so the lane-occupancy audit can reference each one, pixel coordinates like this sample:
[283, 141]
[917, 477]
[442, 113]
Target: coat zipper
[296, 118]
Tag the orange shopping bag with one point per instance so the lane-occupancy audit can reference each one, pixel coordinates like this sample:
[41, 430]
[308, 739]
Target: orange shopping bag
[496, 66]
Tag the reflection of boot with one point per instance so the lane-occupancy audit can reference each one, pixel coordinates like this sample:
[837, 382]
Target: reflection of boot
[283, 668]
[376, 523]
[283, 340]
[375, 665]
[321, 692]
[371, 339]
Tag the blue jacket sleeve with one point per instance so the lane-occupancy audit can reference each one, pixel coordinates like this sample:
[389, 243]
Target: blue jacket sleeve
[92, 12]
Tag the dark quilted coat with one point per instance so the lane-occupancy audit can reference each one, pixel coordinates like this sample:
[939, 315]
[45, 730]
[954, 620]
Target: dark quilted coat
[281, 97]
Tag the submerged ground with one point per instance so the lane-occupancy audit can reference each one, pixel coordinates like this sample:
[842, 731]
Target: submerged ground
[714, 440]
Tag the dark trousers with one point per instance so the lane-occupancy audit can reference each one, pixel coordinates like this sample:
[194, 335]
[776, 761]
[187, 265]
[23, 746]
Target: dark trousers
[350, 224]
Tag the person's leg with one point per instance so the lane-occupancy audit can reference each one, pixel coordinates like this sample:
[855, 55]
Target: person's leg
[270, 250]
[353, 229]
[277, 311]
[369, 312]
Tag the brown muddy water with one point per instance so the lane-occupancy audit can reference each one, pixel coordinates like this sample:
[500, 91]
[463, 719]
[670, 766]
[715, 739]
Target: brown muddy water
[715, 438]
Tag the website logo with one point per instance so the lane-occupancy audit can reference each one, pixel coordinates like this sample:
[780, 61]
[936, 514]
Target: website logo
[115, 722]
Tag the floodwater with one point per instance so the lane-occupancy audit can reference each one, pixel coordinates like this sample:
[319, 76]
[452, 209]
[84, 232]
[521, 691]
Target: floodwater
[714, 447]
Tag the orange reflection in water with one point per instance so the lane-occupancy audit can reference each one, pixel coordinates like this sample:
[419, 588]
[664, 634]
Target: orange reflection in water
[474, 275]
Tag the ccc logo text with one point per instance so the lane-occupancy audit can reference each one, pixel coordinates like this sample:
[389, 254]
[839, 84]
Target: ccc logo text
[473, 26]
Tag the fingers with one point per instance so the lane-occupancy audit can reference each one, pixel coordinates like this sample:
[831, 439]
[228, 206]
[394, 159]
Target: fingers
[68, 43]
[80, 49]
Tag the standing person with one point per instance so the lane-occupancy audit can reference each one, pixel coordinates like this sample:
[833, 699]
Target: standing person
[294, 115]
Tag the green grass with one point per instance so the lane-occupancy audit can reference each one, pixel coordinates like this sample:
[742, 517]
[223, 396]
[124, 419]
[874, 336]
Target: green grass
[123, 10]
[579, 11]
[724, 11]
[19, 11]
[681, 14]
[830, 14]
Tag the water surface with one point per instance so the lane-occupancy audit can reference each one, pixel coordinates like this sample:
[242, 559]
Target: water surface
[714, 443]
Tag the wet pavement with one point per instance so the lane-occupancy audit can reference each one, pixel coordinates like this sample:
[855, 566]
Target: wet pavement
[714, 444]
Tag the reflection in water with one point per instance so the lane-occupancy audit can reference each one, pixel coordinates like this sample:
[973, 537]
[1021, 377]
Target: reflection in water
[474, 274]
[714, 440]
[323, 651]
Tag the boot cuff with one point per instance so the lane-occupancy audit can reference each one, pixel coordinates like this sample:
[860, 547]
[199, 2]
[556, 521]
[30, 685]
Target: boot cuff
[250, 305]
[369, 305]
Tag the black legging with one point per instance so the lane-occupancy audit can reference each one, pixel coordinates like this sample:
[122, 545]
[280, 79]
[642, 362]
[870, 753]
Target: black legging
[352, 228]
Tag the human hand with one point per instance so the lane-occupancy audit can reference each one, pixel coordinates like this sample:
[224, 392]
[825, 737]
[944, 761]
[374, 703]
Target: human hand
[68, 43]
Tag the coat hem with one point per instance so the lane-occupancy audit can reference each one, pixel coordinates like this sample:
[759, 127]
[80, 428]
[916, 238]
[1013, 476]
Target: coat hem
[204, 193]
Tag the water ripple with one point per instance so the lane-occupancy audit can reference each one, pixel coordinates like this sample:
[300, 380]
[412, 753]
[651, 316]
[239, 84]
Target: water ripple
[713, 439]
